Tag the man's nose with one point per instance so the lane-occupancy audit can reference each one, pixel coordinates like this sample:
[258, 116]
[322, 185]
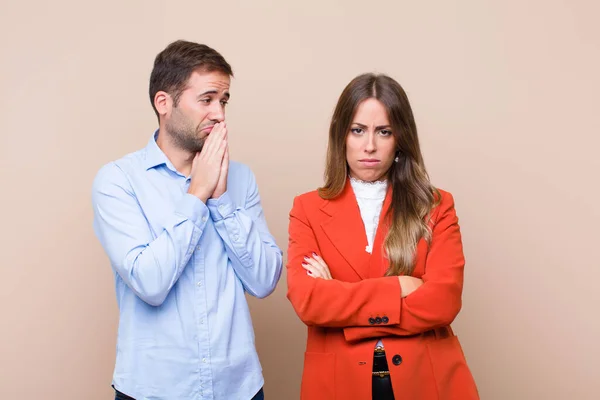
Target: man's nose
[217, 112]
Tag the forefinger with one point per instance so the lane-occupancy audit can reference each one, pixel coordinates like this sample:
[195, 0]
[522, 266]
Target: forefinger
[322, 263]
[213, 141]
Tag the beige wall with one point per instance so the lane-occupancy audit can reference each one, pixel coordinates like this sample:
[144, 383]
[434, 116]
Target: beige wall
[505, 94]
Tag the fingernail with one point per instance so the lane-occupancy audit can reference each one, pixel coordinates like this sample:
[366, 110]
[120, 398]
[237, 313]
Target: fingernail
[309, 273]
[306, 258]
[304, 264]
[315, 254]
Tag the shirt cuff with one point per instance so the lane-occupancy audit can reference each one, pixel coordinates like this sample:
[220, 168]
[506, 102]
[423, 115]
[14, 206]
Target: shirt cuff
[221, 207]
[193, 209]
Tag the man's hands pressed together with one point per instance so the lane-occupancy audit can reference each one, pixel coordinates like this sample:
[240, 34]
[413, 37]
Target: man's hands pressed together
[210, 166]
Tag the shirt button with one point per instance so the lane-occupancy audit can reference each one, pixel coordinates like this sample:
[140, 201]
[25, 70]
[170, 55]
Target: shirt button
[203, 219]
[199, 283]
[204, 360]
[221, 207]
[201, 322]
[235, 237]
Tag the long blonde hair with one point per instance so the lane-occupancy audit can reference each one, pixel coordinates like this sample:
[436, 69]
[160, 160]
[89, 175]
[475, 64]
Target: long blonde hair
[413, 196]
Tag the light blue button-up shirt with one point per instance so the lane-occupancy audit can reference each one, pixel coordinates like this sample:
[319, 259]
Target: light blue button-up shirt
[181, 269]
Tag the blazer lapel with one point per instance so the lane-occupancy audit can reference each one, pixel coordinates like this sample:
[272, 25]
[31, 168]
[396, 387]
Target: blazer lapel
[346, 231]
[379, 263]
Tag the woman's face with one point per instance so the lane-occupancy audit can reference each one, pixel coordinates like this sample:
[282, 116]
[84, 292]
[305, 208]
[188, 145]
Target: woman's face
[370, 144]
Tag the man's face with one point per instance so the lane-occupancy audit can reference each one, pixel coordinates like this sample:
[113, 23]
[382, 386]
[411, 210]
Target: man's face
[200, 106]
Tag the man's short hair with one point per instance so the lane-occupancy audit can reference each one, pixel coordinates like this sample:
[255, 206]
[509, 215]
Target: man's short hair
[174, 65]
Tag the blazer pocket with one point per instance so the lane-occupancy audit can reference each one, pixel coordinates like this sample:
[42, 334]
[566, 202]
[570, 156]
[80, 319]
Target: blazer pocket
[318, 377]
[451, 373]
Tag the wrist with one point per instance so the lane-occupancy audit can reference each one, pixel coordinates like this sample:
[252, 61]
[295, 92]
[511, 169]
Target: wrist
[217, 194]
[200, 194]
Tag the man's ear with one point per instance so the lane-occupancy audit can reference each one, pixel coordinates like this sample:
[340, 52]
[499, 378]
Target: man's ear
[163, 103]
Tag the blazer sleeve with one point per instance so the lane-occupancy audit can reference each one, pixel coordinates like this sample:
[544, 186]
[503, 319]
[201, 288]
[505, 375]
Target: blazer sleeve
[333, 303]
[438, 301]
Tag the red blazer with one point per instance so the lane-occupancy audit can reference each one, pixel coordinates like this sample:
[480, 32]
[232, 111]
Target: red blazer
[348, 314]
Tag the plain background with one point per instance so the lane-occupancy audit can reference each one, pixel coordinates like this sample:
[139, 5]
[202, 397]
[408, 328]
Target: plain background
[505, 95]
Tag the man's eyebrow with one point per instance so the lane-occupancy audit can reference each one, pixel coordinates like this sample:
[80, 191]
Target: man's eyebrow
[213, 91]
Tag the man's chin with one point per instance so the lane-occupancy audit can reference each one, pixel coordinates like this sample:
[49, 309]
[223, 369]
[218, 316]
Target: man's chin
[195, 148]
[191, 146]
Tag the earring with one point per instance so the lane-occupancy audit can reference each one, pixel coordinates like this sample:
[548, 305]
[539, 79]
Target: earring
[396, 159]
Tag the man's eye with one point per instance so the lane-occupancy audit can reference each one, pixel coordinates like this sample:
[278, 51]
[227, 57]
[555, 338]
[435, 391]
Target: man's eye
[224, 103]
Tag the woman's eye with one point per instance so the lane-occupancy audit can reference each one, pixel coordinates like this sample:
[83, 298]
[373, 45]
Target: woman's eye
[385, 132]
[356, 131]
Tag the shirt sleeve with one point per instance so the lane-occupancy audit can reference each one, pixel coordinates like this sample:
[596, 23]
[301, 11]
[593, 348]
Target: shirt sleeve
[252, 251]
[150, 265]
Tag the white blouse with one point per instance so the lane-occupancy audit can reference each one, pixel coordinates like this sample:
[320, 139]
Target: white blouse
[370, 196]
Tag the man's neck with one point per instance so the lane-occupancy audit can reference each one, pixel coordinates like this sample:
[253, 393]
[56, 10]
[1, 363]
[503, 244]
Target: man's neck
[181, 159]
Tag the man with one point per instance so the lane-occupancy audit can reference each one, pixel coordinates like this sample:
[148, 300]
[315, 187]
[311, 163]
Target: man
[186, 236]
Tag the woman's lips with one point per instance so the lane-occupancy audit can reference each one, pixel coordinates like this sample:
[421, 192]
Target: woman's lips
[369, 162]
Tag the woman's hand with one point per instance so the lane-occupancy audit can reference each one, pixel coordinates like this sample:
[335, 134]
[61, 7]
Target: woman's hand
[409, 284]
[316, 267]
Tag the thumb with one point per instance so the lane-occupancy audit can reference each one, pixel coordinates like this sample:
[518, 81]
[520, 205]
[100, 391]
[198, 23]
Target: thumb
[195, 159]
[225, 163]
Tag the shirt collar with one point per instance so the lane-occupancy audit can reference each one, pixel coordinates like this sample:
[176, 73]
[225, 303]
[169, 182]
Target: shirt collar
[155, 156]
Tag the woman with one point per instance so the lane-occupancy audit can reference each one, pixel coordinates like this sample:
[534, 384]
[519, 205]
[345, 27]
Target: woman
[375, 261]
